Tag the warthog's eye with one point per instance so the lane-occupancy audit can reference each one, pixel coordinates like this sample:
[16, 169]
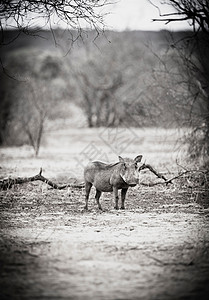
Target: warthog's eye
[124, 166]
[136, 166]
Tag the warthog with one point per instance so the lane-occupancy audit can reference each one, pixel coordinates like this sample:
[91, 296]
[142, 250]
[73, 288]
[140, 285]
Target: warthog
[111, 177]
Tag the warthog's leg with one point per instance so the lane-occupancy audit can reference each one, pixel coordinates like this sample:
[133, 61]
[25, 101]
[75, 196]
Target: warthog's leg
[88, 186]
[115, 192]
[123, 197]
[97, 196]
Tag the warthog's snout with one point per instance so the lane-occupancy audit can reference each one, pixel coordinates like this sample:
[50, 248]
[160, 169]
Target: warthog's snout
[129, 171]
[111, 177]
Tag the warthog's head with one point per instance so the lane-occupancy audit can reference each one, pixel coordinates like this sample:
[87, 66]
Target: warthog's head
[129, 170]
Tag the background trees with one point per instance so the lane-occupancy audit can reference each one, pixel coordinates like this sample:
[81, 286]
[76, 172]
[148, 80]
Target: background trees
[128, 82]
[112, 83]
[143, 79]
[33, 97]
[193, 66]
[32, 92]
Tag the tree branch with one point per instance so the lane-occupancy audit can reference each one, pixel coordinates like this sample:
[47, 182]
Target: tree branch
[168, 20]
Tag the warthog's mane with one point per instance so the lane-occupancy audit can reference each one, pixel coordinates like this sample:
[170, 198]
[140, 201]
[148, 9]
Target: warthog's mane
[103, 165]
[107, 165]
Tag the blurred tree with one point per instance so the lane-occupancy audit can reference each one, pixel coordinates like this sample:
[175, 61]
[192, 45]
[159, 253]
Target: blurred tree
[98, 87]
[193, 63]
[111, 82]
[31, 113]
[31, 100]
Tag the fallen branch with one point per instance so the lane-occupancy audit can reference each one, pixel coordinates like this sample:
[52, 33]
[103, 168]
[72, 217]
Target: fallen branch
[166, 181]
[9, 182]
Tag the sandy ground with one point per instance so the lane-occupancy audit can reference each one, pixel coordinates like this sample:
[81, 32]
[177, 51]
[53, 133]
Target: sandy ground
[51, 248]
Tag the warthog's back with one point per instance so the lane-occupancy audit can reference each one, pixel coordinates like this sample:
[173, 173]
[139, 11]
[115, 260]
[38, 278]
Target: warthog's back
[99, 173]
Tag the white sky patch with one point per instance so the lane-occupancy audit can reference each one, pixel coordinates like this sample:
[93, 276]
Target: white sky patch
[138, 15]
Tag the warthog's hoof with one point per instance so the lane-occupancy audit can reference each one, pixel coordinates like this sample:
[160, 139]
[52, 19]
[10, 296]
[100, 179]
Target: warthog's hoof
[116, 207]
[122, 207]
[86, 207]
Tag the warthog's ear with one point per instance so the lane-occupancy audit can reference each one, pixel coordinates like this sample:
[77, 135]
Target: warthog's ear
[121, 159]
[138, 158]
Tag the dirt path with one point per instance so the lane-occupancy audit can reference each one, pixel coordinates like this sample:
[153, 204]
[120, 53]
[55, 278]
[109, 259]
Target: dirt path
[52, 249]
